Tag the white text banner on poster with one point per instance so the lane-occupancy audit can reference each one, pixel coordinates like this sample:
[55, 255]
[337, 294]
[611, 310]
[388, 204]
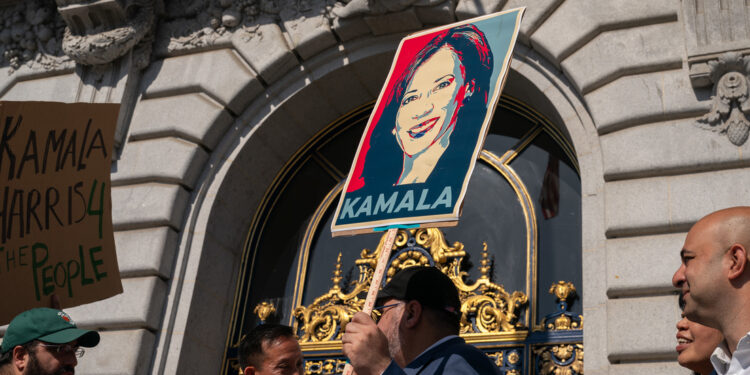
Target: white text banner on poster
[422, 140]
[55, 206]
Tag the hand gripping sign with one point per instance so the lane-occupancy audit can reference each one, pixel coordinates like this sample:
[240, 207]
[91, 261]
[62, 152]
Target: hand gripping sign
[55, 207]
[414, 161]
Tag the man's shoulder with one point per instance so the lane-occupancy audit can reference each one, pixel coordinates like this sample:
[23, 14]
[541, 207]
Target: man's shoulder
[462, 358]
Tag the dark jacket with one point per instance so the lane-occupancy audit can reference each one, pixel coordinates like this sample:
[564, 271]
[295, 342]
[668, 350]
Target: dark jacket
[454, 356]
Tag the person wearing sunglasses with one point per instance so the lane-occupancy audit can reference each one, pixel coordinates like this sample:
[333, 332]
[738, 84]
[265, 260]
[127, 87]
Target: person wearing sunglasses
[44, 341]
[416, 332]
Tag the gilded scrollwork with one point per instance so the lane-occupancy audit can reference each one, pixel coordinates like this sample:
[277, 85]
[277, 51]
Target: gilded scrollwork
[326, 317]
[497, 358]
[563, 320]
[485, 306]
[491, 307]
[565, 359]
[324, 366]
[264, 310]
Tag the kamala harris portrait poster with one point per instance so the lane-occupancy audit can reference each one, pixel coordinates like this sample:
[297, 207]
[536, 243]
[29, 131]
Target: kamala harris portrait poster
[414, 160]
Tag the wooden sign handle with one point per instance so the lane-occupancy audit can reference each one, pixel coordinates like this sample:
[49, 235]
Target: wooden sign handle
[377, 279]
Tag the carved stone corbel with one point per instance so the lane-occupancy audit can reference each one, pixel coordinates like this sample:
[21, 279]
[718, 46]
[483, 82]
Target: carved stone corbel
[101, 31]
[730, 105]
[110, 40]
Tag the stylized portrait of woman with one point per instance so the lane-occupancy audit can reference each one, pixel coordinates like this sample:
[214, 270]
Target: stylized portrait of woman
[416, 156]
[434, 113]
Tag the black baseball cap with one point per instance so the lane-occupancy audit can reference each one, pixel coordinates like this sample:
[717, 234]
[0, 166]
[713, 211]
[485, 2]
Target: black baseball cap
[427, 285]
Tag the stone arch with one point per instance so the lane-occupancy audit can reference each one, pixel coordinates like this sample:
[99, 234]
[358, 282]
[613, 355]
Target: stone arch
[267, 133]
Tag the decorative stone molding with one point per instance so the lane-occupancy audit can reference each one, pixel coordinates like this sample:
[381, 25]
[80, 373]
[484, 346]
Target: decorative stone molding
[204, 23]
[197, 24]
[353, 8]
[30, 35]
[712, 28]
[102, 31]
[730, 107]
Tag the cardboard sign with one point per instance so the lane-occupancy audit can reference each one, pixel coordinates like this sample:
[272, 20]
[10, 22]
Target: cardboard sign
[422, 140]
[55, 205]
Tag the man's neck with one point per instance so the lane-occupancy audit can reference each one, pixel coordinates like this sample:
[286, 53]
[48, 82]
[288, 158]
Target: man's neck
[736, 323]
[420, 343]
[7, 369]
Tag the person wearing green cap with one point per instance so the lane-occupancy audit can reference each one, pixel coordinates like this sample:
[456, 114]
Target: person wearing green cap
[43, 341]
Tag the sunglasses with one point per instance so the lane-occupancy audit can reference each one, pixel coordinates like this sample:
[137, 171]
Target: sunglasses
[379, 311]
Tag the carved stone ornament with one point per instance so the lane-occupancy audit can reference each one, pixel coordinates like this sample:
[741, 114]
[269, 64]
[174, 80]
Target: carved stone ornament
[195, 24]
[730, 107]
[30, 35]
[353, 8]
[102, 31]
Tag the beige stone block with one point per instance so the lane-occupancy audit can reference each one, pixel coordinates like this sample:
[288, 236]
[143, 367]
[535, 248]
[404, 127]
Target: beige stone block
[56, 88]
[642, 265]
[194, 117]
[536, 13]
[146, 252]
[475, 8]
[659, 367]
[119, 353]
[148, 205]
[644, 98]
[391, 23]
[673, 203]
[221, 74]
[439, 14]
[265, 49]
[575, 22]
[168, 160]
[140, 305]
[613, 54]
[668, 147]
[642, 329]
[308, 29]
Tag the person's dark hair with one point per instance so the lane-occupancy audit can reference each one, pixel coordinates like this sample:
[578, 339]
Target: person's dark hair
[473, 51]
[251, 346]
[7, 357]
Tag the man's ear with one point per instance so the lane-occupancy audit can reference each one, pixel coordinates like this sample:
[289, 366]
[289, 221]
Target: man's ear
[412, 314]
[20, 358]
[249, 370]
[737, 257]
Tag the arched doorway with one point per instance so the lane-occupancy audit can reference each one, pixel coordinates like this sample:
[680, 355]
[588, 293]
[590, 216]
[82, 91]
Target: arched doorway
[516, 253]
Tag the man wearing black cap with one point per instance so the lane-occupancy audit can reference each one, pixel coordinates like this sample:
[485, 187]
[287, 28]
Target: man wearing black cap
[417, 332]
[43, 341]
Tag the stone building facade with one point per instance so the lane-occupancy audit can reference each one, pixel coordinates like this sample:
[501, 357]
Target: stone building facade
[217, 95]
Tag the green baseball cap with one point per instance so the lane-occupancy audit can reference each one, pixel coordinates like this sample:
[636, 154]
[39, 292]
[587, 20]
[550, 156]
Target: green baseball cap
[48, 325]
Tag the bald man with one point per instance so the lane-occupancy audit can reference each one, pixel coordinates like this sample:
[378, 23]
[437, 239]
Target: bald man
[714, 277]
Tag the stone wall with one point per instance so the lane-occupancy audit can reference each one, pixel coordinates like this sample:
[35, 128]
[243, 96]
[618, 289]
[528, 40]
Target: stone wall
[217, 95]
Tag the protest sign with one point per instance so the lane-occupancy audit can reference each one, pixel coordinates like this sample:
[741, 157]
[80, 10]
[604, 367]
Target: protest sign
[415, 158]
[55, 205]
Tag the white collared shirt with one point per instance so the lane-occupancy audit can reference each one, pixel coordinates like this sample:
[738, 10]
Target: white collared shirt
[736, 364]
